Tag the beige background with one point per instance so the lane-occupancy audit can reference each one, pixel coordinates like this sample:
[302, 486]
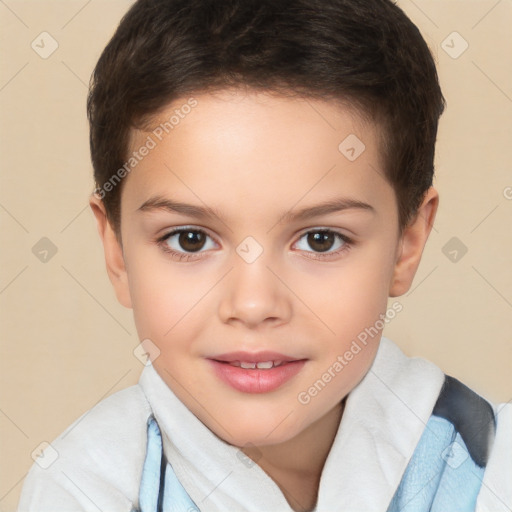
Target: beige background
[66, 343]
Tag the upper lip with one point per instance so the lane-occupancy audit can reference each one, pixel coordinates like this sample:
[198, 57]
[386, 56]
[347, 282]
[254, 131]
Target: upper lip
[253, 357]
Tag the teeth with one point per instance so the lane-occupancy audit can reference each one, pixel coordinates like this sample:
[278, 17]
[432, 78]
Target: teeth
[262, 365]
[265, 365]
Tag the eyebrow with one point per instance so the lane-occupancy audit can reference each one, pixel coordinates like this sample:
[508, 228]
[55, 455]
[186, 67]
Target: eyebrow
[206, 212]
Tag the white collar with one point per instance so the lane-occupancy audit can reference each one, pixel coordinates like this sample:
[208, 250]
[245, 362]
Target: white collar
[383, 420]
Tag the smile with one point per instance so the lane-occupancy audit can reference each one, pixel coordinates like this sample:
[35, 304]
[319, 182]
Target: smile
[260, 372]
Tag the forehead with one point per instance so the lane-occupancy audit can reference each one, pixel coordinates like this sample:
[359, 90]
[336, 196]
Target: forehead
[238, 147]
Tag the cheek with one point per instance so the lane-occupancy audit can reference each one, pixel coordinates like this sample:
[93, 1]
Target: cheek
[169, 303]
[353, 306]
[158, 295]
[354, 294]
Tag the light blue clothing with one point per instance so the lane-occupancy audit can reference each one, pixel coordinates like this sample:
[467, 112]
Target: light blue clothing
[441, 477]
[160, 489]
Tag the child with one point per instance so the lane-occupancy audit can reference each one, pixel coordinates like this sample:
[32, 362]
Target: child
[292, 142]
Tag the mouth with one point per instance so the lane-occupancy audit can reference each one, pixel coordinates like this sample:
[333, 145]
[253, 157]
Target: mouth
[260, 372]
[260, 365]
[254, 357]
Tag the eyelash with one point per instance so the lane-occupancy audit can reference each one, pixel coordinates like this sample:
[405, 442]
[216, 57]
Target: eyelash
[180, 256]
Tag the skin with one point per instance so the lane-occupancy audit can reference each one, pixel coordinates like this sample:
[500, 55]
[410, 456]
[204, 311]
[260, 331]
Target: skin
[254, 157]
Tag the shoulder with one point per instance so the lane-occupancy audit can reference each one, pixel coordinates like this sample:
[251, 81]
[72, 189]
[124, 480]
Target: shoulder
[96, 463]
[486, 430]
[471, 415]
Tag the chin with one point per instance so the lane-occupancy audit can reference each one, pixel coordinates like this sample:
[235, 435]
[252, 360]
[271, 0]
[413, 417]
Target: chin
[258, 430]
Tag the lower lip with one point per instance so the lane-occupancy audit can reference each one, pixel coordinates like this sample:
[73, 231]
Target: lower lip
[256, 381]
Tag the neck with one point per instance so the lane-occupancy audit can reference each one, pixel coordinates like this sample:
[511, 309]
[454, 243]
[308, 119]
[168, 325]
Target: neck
[296, 465]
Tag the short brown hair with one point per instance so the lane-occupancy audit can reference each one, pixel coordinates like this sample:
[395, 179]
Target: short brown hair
[366, 53]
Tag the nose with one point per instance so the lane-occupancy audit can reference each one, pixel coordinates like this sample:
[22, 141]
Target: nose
[253, 294]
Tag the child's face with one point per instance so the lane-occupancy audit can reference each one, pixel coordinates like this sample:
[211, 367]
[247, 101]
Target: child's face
[257, 160]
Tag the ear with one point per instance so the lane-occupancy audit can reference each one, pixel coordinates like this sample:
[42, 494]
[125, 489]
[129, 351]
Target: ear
[113, 250]
[412, 242]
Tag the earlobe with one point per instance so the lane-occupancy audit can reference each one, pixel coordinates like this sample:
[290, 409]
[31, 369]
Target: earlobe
[412, 243]
[113, 251]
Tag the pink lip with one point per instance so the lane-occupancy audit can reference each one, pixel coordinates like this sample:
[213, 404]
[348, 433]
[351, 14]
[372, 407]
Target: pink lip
[255, 380]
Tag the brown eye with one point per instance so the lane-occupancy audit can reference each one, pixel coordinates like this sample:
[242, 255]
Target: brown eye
[191, 241]
[321, 241]
[186, 241]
